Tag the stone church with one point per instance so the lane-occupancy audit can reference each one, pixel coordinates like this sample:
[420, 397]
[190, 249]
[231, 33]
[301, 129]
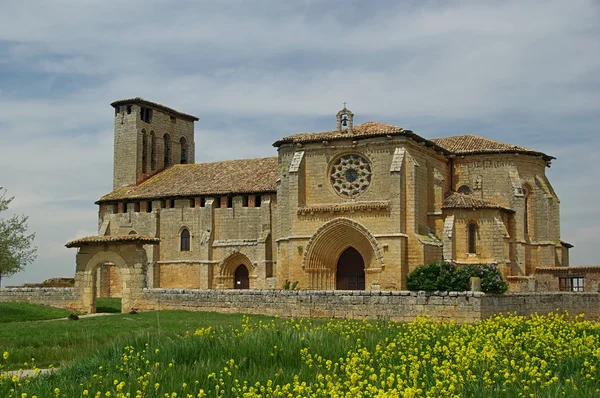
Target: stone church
[357, 207]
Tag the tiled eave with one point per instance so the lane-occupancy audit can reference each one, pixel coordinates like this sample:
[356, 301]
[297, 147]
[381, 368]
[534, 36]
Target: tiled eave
[95, 240]
[457, 200]
[344, 207]
[134, 198]
[150, 104]
[574, 270]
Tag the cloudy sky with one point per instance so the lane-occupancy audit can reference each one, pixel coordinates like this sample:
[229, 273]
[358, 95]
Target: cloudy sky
[523, 72]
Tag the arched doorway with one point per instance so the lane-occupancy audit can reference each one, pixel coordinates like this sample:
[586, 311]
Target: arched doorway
[350, 274]
[241, 278]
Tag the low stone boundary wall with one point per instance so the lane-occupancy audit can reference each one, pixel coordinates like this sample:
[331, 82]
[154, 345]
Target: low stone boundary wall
[61, 297]
[543, 303]
[462, 307]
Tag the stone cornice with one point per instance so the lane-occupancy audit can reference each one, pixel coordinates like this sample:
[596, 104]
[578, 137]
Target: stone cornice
[344, 207]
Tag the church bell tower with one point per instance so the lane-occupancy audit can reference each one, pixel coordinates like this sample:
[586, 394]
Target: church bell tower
[149, 137]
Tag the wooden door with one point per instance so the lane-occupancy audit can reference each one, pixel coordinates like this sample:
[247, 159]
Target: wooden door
[241, 279]
[350, 273]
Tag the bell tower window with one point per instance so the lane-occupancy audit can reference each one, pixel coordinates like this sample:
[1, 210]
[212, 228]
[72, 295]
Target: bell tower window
[144, 151]
[146, 115]
[152, 151]
[167, 151]
[183, 155]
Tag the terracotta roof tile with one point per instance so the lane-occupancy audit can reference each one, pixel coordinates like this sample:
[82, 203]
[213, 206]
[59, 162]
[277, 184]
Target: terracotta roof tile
[470, 144]
[574, 269]
[365, 130]
[460, 201]
[112, 239]
[166, 109]
[216, 178]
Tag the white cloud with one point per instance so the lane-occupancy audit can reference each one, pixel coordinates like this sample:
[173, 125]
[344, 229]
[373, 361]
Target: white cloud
[523, 72]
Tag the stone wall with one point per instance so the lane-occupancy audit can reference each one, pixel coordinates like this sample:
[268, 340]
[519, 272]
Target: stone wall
[542, 303]
[462, 307]
[64, 297]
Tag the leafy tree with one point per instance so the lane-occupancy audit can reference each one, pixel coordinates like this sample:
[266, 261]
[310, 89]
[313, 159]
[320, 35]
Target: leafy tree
[16, 246]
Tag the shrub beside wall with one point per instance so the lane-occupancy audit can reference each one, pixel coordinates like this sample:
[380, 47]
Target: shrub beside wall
[449, 277]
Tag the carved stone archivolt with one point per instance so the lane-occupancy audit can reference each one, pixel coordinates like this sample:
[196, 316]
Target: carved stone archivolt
[329, 241]
[350, 175]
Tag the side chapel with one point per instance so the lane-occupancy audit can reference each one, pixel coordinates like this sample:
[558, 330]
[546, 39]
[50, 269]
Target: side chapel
[357, 207]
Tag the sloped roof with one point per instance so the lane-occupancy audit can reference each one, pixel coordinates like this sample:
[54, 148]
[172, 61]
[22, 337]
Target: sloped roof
[365, 130]
[112, 239]
[573, 269]
[216, 178]
[461, 201]
[471, 144]
[150, 104]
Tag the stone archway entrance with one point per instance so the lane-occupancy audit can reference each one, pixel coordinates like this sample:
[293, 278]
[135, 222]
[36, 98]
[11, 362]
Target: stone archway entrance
[235, 268]
[342, 254]
[350, 271]
[125, 252]
[241, 278]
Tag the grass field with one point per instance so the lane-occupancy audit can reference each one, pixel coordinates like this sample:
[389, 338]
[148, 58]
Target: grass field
[235, 356]
[108, 305]
[61, 341]
[20, 312]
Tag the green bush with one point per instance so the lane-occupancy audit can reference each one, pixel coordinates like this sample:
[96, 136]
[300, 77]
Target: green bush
[491, 278]
[448, 277]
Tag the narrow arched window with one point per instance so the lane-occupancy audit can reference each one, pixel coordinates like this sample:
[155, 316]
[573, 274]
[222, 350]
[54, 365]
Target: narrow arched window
[472, 232]
[167, 150]
[144, 151]
[527, 211]
[183, 154]
[152, 151]
[185, 240]
[464, 189]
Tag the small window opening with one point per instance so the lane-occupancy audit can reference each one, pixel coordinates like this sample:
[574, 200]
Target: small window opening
[202, 201]
[464, 189]
[136, 207]
[183, 155]
[257, 202]
[245, 201]
[167, 152]
[144, 151]
[185, 240]
[132, 232]
[527, 211]
[152, 151]
[129, 109]
[149, 206]
[124, 208]
[173, 119]
[193, 202]
[171, 203]
[163, 203]
[115, 208]
[472, 237]
[230, 201]
[571, 284]
[146, 115]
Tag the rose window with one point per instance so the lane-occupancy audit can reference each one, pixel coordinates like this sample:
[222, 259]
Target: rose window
[350, 175]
